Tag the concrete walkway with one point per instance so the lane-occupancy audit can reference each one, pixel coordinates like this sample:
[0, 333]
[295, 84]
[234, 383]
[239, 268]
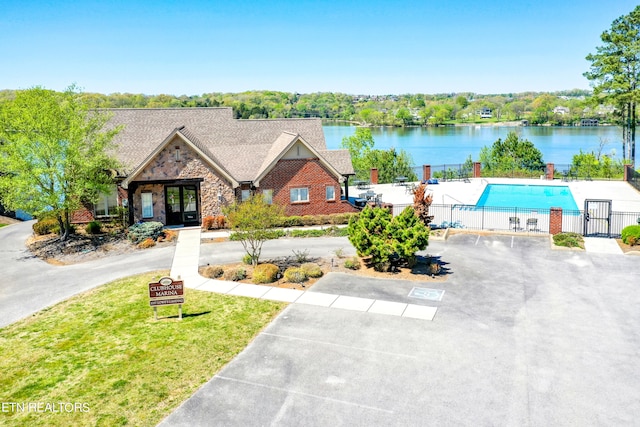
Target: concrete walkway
[601, 245]
[185, 267]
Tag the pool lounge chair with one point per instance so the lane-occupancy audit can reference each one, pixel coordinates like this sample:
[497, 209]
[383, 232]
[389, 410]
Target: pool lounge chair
[532, 224]
[514, 222]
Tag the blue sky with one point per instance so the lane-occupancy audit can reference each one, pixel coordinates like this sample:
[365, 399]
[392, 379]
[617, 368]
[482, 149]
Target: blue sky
[357, 47]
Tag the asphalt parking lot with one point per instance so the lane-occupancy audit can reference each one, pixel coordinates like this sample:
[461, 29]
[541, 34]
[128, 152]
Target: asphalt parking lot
[524, 335]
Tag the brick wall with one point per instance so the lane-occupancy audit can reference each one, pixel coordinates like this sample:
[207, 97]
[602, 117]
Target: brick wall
[426, 172]
[555, 220]
[550, 171]
[82, 216]
[309, 173]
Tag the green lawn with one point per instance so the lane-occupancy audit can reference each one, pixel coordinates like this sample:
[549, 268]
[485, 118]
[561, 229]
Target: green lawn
[104, 351]
[2, 225]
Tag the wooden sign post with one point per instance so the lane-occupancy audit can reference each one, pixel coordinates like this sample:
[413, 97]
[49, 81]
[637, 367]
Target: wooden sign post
[166, 291]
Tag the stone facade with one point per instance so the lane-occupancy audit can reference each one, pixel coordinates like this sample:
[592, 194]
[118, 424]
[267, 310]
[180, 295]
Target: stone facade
[179, 162]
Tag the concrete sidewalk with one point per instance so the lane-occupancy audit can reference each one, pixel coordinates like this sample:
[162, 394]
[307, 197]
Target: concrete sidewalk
[185, 267]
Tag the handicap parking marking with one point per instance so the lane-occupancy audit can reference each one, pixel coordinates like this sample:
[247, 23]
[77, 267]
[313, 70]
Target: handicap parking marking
[427, 293]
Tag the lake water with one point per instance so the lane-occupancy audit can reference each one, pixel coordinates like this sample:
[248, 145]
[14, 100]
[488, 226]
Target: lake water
[453, 144]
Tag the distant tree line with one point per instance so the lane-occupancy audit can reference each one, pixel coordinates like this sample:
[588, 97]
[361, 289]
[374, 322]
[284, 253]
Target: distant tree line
[381, 110]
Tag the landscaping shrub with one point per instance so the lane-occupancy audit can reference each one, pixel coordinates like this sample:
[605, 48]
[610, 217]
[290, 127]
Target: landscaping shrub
[46, 226]
[387, 241]
[294, 275]
[323, 219]
[207, 222]
[301, 256]
[214, 222]
[143, 230]
[569, 240]
[311, 270]
[352, 263]
[265, 273]
[309, 220]
[339, 252]
[290, 221]
[94, 227]
[167, 236]
[147, 243]
[247, 259]
[631, 235]
[308, 233]
[236, 274]
[213, 271]
[267, 234]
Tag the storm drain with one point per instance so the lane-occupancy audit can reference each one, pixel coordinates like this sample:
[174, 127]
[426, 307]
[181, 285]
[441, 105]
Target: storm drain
[426, 293]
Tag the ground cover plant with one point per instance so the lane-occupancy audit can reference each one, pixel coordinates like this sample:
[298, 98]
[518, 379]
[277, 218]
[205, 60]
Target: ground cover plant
[569, 240]
[104, 349]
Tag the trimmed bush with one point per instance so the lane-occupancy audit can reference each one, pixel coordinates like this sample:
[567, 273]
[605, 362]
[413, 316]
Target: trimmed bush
[631, 235]
[309, 220]
[214, 222]
[295, 275]
[147, 243]
[143, 230]
[265, 273]
[46, 226]
[267, 234]
[308, 233]
[312, 270]
[94, 227]
[352, 263]
[212, 271]
[236, 274]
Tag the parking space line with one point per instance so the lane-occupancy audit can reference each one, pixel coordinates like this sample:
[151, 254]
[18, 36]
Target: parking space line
[387, 353]
[477, 240]
[301, 393]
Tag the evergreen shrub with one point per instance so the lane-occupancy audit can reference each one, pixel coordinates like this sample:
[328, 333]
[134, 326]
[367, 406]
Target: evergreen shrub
[631, 235]
[265, 273]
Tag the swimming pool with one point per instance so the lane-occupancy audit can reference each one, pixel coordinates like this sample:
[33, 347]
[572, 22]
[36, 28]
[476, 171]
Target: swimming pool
[527, 196]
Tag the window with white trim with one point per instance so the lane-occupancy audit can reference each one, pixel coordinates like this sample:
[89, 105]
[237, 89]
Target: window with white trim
[330, 191]
[147, 205]
[299, 194]
[267, 196]
[107, 203]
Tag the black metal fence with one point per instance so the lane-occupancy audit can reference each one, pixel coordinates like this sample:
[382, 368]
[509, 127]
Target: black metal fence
[515, 219]
[634, 179]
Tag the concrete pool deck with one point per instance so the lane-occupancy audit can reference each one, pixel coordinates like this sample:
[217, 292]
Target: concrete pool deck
[624, 197]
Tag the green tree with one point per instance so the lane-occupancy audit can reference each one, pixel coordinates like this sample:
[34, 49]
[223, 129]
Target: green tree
[252, 222]
[511, 155]
[359, 145]
[615, 73]
[390, 164]
[404, 116]
[54, 153]
[384, 239]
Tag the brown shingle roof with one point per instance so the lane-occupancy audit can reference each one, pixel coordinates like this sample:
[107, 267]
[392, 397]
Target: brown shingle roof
[240, 146]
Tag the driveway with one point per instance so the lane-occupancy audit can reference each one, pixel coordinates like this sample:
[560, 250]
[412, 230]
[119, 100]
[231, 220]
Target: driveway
[524, 335]
[30, 284]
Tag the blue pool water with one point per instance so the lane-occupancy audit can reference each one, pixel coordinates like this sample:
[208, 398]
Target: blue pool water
[527, 196]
